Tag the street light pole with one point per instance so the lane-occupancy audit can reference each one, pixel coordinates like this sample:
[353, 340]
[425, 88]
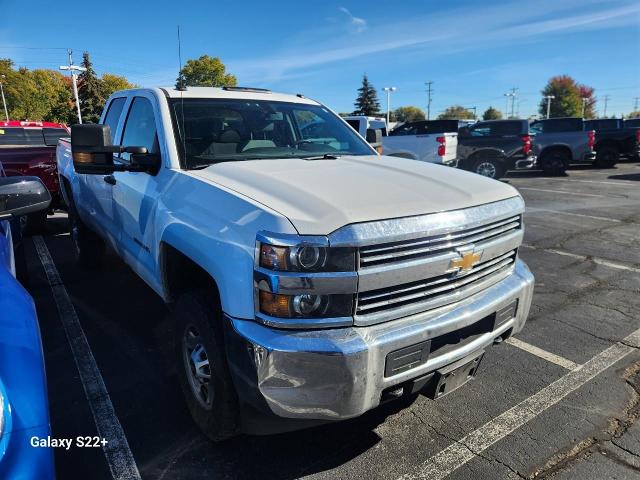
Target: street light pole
[512, 96]
[549, 98]
[74, 80]
[389, 90]
[4, 102]
[584, 105]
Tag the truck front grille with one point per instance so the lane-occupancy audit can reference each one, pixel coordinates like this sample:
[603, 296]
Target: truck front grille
[425, 247]
[440, 290]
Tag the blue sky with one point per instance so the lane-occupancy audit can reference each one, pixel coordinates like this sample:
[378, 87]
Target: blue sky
[473, 51]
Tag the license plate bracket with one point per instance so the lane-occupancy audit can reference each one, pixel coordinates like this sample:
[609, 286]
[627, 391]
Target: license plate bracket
[453, 376]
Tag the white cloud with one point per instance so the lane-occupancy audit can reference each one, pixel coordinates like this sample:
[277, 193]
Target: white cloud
[449, 32]
[357, 24]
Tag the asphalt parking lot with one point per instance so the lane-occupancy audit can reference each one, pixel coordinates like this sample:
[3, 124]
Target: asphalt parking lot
[559, 401]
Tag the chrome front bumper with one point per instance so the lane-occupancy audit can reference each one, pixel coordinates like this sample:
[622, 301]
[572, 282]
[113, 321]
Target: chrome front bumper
[334, 374]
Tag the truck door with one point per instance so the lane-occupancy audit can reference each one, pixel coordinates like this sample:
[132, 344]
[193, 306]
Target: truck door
[95, 201]
[135, 194]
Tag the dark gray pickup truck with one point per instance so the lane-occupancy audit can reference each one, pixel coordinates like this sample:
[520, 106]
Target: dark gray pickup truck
[615, 138]
[491, 148]
[560, 142]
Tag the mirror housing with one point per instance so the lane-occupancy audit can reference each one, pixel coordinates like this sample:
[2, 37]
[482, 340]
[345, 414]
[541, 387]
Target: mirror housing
[22, 195]
[92, 149]
[374, 138]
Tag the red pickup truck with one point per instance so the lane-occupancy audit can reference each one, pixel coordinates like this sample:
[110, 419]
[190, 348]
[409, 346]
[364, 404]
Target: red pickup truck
[29, 148]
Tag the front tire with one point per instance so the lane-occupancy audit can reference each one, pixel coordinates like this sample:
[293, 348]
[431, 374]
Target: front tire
[89, 248]
[607, 157]
[489, 167]
[554, 163]
[202, 365]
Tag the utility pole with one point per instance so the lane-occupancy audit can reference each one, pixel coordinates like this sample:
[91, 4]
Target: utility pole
[475, 109]
[4, 102]
[429, 91]
[549, 98]
[584, 105]
[388, 90]
[606, 100]
[74, 79]
[635, 105]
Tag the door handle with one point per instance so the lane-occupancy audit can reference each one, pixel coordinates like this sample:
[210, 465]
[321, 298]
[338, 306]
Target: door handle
[110, 179]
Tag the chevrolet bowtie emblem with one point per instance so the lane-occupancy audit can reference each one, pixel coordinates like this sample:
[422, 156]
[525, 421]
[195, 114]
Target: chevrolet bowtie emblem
[466, 261]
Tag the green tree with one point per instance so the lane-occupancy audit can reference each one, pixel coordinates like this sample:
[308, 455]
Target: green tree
[456, 112]
[90, 92]
[367, 101]
[408, 114]
[112, 83]
[492, 114]
[205, 71]
[634, 114]
[567, 101]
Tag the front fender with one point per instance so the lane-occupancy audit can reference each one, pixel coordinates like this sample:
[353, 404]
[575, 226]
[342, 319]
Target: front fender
[217, 230]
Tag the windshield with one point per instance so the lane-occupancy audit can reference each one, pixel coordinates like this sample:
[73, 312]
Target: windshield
[213, 130]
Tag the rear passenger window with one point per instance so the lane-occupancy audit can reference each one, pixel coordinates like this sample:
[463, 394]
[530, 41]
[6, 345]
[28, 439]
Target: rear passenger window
[140, 127]
[480, 131]
[21, 136]
[113, 114]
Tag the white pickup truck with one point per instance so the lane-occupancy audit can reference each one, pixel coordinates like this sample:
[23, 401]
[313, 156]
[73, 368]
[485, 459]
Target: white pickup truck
[433, 141]
[309, 278]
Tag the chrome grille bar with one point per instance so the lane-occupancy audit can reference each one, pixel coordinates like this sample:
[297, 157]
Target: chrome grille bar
[389, 298]
[399, 251]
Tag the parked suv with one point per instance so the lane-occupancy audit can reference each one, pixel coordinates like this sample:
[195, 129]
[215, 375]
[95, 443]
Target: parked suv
[491, 148]
[560, 142]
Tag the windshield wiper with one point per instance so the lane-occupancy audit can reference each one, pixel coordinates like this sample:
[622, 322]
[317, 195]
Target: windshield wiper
[326, 156]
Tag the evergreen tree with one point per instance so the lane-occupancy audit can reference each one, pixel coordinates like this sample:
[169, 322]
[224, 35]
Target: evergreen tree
[90, 92]
[367, 102]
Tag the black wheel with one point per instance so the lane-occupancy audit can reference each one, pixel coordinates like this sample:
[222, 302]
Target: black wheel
[606, 157]
[203, 370]
[488, 167]
[34, 223]
[89, 248]
[554, 163]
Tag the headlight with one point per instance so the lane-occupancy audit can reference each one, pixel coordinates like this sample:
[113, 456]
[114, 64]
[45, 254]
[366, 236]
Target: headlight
[307, 258]
[305, 305]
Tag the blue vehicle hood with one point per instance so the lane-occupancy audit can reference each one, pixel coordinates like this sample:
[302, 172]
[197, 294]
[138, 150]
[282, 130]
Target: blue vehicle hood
[21, 361]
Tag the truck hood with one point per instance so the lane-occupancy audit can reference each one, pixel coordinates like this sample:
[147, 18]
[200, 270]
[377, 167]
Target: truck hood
[320, 196]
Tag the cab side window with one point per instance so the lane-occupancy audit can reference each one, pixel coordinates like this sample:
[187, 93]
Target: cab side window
[113, 115]
[140, 127]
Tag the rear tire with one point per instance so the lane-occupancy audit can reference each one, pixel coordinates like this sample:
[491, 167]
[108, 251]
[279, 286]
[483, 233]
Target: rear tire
[554, 163]
[89, 248]
[202, 364]
[607, 157]
[489, 167]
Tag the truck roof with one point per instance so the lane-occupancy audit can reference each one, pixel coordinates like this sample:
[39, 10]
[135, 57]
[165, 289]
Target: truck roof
[236, 93]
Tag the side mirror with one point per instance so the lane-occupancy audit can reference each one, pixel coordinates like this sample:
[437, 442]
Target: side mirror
[92, 149]
[374, 136]
[22, 195]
